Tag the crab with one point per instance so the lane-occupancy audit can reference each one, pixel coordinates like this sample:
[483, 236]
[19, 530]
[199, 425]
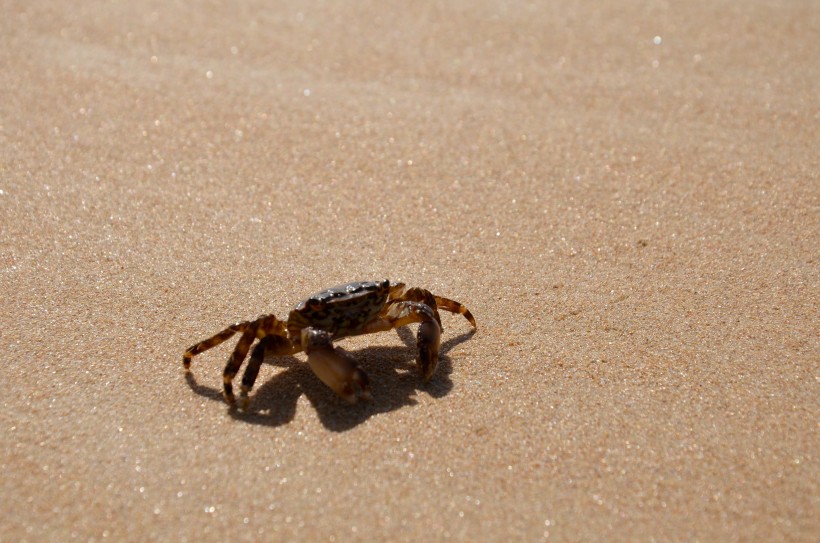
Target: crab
[315, 323]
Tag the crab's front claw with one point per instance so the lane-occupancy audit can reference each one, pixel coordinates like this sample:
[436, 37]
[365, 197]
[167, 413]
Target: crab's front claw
[333, 368]
[428, 339]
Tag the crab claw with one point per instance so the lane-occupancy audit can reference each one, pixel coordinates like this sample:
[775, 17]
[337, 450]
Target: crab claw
[333, 368]
[429, 336]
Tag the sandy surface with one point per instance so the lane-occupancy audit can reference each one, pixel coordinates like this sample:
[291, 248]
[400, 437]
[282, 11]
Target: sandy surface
[625, 194]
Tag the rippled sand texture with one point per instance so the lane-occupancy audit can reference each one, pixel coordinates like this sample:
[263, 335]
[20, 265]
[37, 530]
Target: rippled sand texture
[625, 194]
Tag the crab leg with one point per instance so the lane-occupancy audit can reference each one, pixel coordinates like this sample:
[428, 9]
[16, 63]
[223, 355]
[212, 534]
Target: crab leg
[212, 342]
[264, 326]
[333, 368]
[435, 303]
[422, 296]
[428, 337]
[235, 361]
[276, 345]
[455, 307]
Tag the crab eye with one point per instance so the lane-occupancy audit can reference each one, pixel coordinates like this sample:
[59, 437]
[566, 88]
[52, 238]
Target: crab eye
[385, 283]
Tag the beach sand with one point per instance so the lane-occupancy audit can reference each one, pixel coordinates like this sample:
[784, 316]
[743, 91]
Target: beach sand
[625, 195]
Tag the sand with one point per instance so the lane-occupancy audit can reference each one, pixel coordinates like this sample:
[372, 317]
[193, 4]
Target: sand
[625, 195]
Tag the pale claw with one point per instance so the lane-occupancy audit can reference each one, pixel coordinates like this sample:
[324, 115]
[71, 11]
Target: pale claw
[429, 336]
[333, 368]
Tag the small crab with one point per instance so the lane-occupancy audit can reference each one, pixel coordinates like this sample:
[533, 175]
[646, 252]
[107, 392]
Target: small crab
[312, 326]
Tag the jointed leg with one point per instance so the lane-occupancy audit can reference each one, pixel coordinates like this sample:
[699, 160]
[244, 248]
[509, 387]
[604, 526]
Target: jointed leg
[275, 345]
[428, 338]
[421, 296]
[416, 294]
[211, 342]
[261, 328]
[235, 361]
[455, 307]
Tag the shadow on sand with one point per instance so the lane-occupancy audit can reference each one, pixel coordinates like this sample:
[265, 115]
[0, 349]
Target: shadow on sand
[393, 378]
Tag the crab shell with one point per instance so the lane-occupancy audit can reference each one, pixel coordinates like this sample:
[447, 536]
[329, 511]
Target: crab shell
[343, 310]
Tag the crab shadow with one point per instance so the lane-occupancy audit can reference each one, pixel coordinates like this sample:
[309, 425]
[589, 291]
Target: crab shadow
[393, 377]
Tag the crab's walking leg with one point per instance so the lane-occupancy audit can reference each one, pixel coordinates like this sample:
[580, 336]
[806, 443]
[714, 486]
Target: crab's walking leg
[422, 296]
[211, 342]
[455, 307]
[236, 359]
[333, 368]
[275, 345]
[252, 370]
[264, 326]
[416, 294]
[428, 338]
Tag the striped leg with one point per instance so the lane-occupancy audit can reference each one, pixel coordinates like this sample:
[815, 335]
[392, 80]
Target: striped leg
[236, 359]
[211, 342]
[455, 307]
[275, 345]
[429, 333]
[261, 328]
[424, 296]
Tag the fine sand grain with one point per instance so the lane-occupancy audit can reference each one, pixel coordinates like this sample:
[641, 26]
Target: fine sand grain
[625, 194]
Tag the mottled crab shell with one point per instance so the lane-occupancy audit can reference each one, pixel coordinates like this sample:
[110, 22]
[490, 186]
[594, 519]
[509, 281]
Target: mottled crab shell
[342, 310]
